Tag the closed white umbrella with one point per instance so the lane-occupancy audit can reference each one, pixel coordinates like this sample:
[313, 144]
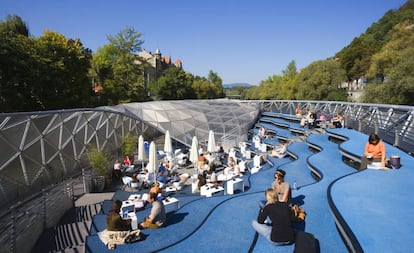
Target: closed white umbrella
[194, 152]
[211, 142]
[167, 143]
[152, 160]
[141, 150]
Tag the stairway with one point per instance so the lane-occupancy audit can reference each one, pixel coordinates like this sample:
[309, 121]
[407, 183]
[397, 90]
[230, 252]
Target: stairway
[70, 234]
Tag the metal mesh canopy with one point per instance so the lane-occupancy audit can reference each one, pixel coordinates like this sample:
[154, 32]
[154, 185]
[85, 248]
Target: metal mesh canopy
[184, 119]
[42, 148]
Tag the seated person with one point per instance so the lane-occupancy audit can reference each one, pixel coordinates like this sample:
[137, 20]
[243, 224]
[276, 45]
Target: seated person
[127, 161]
[309, 118]
[281, 187]
[305, 118]
[117, 170]
[201, 180]
[135, 184]
[118, 229]
[374, 151]
[114, 220]
[280, 151]
[298, 112]
[231, 166]
[157, 217]
[281, 231]
[212, 176]
[262, 132]
[338, 121]
[162, 170]
[147, 179]
[157, 190]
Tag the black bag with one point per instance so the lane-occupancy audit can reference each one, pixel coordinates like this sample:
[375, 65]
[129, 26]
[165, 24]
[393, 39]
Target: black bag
[134, 236]
[304, 242]
[394, 162]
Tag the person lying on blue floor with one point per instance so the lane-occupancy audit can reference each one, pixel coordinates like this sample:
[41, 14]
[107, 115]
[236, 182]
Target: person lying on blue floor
[157, 217]
[280, 231]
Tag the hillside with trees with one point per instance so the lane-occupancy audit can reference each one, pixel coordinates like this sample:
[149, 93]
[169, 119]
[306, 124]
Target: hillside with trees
[383, 55]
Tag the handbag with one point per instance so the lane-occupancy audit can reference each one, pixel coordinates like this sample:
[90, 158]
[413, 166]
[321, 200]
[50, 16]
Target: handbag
[297, 213]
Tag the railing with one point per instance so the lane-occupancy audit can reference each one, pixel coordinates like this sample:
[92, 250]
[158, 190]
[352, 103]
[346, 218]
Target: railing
[393, 123]
[23, 223]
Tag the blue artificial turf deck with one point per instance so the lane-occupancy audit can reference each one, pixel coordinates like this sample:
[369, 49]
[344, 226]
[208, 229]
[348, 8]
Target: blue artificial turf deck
[374, 206]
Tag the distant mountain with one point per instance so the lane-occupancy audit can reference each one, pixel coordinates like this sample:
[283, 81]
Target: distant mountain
[233, 85]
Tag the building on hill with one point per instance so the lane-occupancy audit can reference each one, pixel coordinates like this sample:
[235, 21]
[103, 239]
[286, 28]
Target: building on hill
[156, 64]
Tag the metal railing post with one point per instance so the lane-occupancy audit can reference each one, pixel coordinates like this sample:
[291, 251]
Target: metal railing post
[396, 138]
[13, 231]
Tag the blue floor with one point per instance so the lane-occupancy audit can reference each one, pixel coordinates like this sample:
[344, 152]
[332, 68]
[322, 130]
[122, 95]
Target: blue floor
[371, 206]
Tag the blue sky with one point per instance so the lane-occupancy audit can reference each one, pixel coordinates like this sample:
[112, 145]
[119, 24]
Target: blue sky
[240, 40]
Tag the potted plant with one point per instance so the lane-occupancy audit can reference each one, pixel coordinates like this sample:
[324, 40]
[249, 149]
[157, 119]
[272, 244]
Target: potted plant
[98, 159]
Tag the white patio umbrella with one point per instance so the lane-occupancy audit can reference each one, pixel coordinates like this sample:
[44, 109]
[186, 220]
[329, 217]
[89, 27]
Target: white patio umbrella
[194, 152]
[141, 150]
[211, 142]
[167, 143]
[152, 160]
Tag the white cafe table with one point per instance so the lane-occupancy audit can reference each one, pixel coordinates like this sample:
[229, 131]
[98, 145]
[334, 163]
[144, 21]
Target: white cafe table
[128, 212]
[136, 199]
[209, 190]
[171, 204]
[234, 184]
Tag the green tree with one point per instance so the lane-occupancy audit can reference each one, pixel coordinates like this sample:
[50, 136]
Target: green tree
[117, 71]
[394, 63]
[356, 57]
[63, 66]
[129, 144]
[252, 93]
[14, 25]
[269, 89]
[173, 84]
[216, 84]
[320, 81]
[288, 87]
[208, 88]
[17, 71]
[41, 74]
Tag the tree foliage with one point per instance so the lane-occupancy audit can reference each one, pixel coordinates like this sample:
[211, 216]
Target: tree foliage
[66, 62]
[14, 25]
[356, 57]
[208, 88]
[320, 81]
[49, 72]
[116, 70]
[173, 84]
[394, 63]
